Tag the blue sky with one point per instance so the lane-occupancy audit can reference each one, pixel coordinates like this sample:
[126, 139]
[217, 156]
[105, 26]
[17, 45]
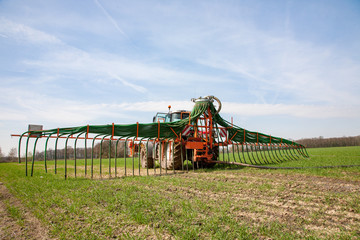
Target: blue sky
[286, 68]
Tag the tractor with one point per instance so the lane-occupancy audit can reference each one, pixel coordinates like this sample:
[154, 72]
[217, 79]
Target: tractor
[201, 137]
[198, 143]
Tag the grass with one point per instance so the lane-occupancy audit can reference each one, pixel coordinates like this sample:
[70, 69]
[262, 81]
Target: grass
[130, 166]
[15, 213]
[237, 203]
[329, 157]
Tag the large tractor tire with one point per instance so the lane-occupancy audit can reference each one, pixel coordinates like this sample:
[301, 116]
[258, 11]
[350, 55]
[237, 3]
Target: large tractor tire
[174, 153]
[146, 158]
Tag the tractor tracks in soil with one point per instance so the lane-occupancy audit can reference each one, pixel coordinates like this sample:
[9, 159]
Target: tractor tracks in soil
[319, 204]
[16, 221]
[321, 207]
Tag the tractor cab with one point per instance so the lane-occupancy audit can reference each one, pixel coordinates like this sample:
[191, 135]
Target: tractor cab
[171, 116]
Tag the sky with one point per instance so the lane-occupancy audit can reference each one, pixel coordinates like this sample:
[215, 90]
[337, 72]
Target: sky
[286, 68]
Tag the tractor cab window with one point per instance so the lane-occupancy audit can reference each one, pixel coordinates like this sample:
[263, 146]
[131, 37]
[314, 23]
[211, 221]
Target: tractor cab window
[162, 117]
[175, 117]
[179, 116]
[170, 117]
[185, 115]
[167, 118]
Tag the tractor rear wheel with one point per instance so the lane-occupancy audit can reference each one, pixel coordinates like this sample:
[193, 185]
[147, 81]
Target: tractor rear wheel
[173, 157]
[146, 158]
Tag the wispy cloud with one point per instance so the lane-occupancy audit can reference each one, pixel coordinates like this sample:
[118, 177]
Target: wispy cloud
[69, 64]
[3, 36]
[135, 74]
[36, 107]
[42, 108]
[25, 34]
[294, 110]
[126, 83]
[295, 68]
[309, 72]
[110, 18]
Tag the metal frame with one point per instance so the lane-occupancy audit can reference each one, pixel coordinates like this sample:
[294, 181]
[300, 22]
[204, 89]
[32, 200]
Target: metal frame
[207, 144]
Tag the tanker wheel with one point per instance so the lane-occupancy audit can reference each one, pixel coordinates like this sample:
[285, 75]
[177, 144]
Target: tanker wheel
[146, 158]
[172, 156]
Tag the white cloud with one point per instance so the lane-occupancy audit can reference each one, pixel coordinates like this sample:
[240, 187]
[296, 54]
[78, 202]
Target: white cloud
[243, 109]
[210, 48]
[155, 106]
[25, 34]
[293, 110]
[9, 114]
[35, 106]
[270, 62]
[309, 72]
[126, 83]
[270, 65]
[131, 73]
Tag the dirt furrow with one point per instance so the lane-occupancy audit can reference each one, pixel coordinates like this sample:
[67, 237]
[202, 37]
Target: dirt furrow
[16, 222]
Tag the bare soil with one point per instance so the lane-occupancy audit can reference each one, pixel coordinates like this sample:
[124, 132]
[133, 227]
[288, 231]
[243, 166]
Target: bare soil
[21, 225]
[324, 206]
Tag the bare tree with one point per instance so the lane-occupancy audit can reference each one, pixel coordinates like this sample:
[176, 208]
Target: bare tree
[1, 155]
[12, 153]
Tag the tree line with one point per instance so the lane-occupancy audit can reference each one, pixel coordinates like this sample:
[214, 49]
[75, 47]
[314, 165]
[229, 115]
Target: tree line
[321, 142]
[99, 148]
[318, 142]
[11, 157]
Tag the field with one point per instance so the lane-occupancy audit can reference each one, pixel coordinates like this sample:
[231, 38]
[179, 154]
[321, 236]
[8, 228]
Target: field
[219, 203]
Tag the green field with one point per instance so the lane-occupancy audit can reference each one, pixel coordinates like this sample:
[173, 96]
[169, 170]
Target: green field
[220, 203]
